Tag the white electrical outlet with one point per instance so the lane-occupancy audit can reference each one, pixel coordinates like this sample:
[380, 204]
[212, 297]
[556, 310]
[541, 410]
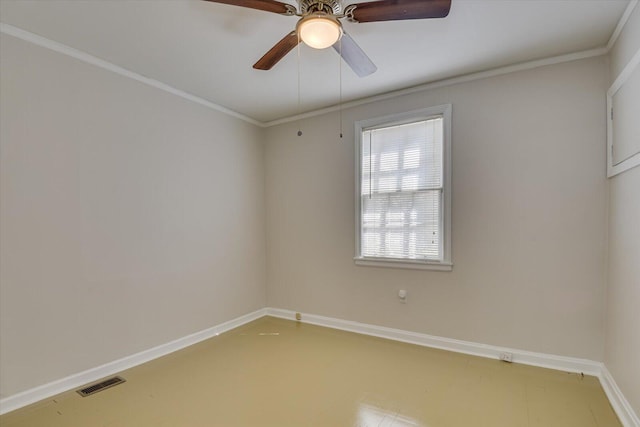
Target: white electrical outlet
[506, 357]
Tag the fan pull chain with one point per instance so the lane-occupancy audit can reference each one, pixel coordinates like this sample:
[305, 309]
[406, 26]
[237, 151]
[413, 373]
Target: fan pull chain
[299, 109]
[340, 82]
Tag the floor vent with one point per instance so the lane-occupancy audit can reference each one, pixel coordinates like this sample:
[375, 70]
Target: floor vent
[102, 385]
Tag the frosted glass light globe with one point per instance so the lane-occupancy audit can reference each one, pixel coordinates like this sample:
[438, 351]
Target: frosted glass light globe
[319, 31]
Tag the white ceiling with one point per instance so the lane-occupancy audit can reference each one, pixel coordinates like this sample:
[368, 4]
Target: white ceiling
[208, 49]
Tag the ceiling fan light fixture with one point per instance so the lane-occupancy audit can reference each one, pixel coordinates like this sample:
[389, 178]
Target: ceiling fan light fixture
[319, 30]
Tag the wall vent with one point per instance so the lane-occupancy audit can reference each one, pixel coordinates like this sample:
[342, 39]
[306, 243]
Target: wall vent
[102, 385]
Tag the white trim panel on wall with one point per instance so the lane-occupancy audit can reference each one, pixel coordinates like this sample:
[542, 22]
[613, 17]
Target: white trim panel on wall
[630, 75]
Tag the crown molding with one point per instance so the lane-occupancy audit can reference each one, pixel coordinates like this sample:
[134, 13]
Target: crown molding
[85, 57]
[106, 65]
[448, 82]
[621, 23]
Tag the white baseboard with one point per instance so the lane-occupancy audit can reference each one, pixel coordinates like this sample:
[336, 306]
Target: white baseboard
[76, 380]
[568, 364]
[625, 412]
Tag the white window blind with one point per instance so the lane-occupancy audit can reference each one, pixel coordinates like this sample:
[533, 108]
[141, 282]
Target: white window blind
[401, 191]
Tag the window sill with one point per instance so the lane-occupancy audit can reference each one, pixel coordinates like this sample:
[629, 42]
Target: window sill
[404, 263]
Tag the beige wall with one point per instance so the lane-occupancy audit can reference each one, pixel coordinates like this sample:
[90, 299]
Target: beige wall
[622, 349]
[129, 217]
[529, 216]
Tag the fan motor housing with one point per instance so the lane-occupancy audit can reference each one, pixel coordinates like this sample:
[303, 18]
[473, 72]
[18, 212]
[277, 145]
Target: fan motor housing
[333, 7]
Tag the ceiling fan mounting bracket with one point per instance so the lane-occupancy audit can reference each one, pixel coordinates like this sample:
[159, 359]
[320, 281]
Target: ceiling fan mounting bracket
[331, 7]
[291, 10]
[348, 13]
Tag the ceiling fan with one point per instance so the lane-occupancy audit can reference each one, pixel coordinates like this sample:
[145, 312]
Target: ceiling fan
[319, 25]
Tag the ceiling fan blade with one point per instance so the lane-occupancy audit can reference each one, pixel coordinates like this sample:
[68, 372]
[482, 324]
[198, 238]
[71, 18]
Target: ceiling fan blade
[266, 5]
[395, 10]
[277, 52]
[354, 56]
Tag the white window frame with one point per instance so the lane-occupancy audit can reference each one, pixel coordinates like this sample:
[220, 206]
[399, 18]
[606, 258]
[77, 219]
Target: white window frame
[446, 263]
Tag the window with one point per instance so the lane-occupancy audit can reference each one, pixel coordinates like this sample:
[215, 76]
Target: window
[403, 197]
